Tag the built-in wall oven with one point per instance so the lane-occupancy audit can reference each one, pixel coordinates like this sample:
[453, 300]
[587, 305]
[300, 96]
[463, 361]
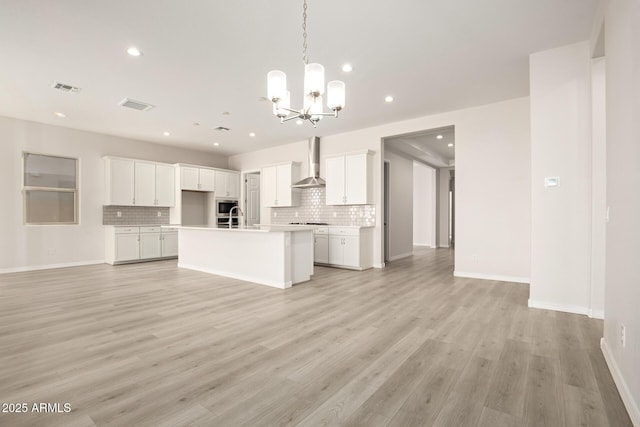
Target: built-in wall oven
[223, 208]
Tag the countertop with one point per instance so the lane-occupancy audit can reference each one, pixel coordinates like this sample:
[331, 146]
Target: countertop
[142, 225]
[251, 228]
[315, 226]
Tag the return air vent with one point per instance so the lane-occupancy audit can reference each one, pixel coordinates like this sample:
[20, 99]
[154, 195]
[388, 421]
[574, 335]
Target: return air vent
[65, 87]
[221, 129]
[136, 105]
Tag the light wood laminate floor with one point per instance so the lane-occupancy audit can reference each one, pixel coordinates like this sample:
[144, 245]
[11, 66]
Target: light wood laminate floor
[151, 344]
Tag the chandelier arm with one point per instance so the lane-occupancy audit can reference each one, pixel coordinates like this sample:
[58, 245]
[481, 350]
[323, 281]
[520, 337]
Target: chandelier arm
[290, 118]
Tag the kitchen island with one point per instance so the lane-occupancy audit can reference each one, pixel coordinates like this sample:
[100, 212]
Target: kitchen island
[272, 255]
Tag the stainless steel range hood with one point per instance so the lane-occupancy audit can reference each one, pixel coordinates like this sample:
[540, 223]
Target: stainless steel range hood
[314, 180]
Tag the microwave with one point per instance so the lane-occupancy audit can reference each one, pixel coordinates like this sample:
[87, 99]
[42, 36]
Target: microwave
[223, 207]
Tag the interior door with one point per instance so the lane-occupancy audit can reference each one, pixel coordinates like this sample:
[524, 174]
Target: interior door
[252, 201]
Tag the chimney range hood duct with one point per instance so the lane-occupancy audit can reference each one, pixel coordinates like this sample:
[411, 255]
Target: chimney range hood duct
[314, 180]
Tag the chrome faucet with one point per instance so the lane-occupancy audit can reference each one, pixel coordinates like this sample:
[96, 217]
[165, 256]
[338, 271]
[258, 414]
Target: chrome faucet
[231, 215]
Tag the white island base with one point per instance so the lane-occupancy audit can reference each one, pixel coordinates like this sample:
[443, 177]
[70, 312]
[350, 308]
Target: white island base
[277, 256]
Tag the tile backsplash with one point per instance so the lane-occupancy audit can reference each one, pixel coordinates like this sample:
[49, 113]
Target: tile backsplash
[134, 215]
[313, 209]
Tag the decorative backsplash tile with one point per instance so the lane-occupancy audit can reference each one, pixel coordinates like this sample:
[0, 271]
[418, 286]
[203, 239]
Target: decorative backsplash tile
[134, 215]
[313, 209]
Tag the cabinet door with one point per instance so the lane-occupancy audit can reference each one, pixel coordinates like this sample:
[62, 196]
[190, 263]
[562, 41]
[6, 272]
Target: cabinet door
[355, 182]
[283, 185]
[334, 175]
[233, 185]
[221, 184]
[145, 184]
[207, 180]
[321, 249]
[150, 245]
[169, 244]
[127, 247]
[121, 185]
[165, 185]
[336, 250]
[351, 251]
[269, 186]
[189, 178]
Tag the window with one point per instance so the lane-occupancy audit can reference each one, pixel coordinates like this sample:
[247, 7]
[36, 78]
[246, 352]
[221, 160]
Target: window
[50, 189]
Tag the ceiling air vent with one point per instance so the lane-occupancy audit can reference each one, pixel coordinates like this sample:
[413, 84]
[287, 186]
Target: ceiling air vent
[136, 105]
[65, 87]
[221, 129]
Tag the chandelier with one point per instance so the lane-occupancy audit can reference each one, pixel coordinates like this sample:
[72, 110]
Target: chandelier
[312, 109]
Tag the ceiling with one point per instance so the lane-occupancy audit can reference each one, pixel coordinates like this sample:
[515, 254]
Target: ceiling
[430, 147]
[204, 57]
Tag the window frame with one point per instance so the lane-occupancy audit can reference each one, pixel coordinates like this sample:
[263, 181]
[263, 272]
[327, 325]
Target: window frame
[75, 191]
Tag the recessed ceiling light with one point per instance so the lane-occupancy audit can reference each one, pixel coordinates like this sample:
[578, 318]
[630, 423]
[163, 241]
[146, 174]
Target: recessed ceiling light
[215, 144]
[347, 68]
[226, 113]
[196, 123]
[298, 122]
[450, 145]
[165, 133]
[252, 134]
[439, 137]
[134, 51]
[61, 115]
[388, 98]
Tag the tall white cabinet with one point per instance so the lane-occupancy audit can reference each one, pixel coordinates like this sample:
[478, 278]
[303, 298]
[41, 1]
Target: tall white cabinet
[276, 185]
[349, 179]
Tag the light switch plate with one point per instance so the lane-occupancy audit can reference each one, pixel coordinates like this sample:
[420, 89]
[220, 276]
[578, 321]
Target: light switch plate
[552, 181]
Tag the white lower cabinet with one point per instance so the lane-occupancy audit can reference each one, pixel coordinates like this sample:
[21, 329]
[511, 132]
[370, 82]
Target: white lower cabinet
[348, 247]
[321, 245]
[134, 244]
[169, 242]
[150, 242]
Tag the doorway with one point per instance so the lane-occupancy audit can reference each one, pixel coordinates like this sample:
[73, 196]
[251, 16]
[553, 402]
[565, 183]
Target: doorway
[252, 198]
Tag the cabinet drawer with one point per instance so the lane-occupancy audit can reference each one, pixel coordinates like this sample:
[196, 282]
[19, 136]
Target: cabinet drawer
[150, 229]
[344, 231]
[321, 230]
[169, 230]
[127, 230]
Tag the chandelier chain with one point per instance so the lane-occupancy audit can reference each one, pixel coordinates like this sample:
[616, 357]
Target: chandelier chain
[304, 33]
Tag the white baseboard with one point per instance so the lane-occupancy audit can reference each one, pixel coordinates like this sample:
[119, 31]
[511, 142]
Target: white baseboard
[49, 266]
[397, 257]
[424, 245]
[575, 309]
[381, 265]
[596, 314]
[243, 277]
[623, 389]
[497, 277]
[443, 246]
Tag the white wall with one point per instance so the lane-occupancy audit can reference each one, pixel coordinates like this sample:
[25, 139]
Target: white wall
[400, 221]
[492, 180]
[622, 292]
[598, 187]
[561, 147]
[444, 176]
[36, 246]
[424, 205]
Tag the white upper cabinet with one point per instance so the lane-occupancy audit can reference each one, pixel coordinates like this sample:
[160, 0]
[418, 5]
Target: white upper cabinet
[276, 185]
[119, 179]
[131, 182]
[196, 179]
[227, 184]
[145, 184]
[165, 185]
[349, 179]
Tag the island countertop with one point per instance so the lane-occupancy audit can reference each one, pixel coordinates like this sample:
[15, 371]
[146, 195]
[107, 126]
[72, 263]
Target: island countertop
[249, 228]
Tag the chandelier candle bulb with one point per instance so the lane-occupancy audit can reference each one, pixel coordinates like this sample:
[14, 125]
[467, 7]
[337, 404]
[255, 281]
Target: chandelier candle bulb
[276, 85]
[314, 79]
[335, 95]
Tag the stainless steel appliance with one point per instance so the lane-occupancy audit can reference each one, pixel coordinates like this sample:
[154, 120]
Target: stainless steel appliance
[223, 207]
